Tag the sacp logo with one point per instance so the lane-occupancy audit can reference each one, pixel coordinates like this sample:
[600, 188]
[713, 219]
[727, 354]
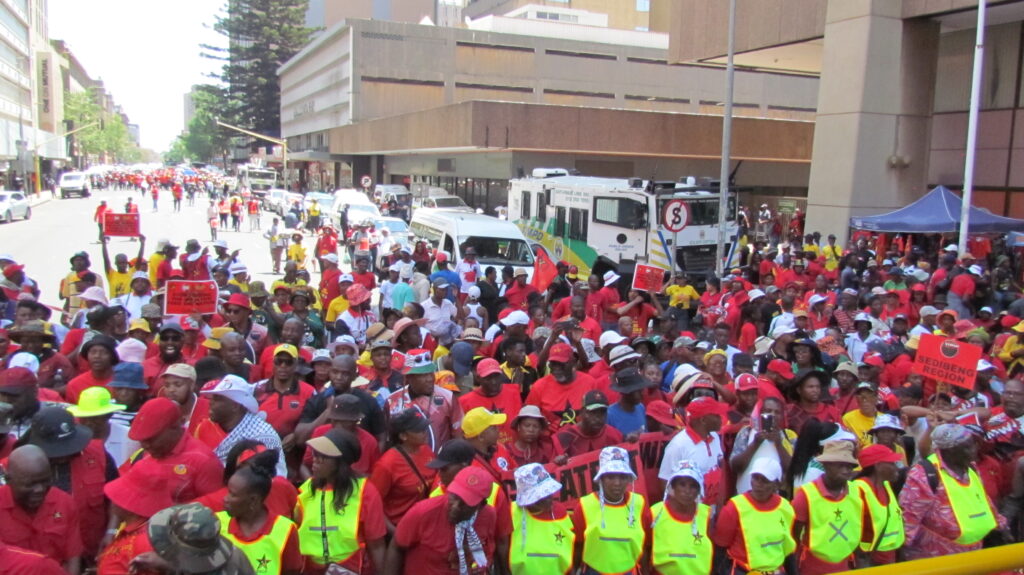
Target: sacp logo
[950, 348]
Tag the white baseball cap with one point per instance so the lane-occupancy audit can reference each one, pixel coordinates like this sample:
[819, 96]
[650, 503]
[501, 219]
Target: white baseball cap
[237, 390]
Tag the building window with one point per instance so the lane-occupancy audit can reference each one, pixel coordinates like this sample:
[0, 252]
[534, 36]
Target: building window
[577, 224]
[621, 212]
[643, 5]
[524, 209]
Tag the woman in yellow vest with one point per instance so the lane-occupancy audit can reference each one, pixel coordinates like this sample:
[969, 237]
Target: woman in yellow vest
[945, 508]
[829, 514]
[613, 524]
[884, 535]
[542, 540]
[679, 529]
[338, 511]
[756, 528]
[269, 541]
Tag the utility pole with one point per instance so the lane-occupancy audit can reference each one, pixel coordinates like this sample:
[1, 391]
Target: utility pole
[723, 177]
[972, 130]
[279, 141]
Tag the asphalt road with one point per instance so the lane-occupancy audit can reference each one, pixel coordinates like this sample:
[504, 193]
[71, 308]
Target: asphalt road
[59, 228]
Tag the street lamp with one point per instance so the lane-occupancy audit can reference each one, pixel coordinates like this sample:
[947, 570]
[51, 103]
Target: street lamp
[280, 142]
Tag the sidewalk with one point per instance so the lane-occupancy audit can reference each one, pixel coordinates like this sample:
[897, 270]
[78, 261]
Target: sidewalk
[38, 200]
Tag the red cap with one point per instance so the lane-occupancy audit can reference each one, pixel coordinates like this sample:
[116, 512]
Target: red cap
[705, 406]
[688, 334]
[746, 381]
[17, 378]
[919, 287]
[661, 412]
[441, 257]
[12, 269]
[561, 353]
[1009, 321]
[140, 491]
[488, 366]
[876, 453]
[239, 299]
[472, 485]
[357, 294]
[781, 367]
[873, 359]
[155, 416]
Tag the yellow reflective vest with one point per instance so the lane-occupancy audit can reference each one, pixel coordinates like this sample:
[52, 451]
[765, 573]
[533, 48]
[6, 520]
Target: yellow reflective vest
[265, 553]
[681, 548]
[767, 535]
[613, 541]
[834, 527]
[326, 535]
[886, 520]
[540, 546]
[970, 504]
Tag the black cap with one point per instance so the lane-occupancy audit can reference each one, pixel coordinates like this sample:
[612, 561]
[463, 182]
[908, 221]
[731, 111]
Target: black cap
[595, 399]
[453, 451]
[346, 407]
[104, 341]
[410, 420]
[55, 432]
[627, 381]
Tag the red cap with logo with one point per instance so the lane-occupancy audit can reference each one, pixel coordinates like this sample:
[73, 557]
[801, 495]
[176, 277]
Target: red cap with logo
[155, 416]
[472, 485]
[560, 353]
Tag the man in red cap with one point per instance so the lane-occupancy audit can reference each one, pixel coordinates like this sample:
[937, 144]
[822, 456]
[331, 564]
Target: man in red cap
[559, 394]
[494, 395]
[36, 516]
[457, 533]
[699, 443]
[190, 467]
[237, 312]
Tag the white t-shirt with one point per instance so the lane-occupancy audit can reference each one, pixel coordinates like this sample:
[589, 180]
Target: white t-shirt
[705, 455]
[469, 273]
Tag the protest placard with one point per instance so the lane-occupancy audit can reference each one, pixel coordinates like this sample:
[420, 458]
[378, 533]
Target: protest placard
[188, 297]
[123, 225]
[648, 278]
[947, 360]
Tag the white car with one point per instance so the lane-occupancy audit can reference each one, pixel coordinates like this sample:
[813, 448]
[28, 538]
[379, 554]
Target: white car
[445, 203]
[74, 183]
[272, 201]
[14, 205]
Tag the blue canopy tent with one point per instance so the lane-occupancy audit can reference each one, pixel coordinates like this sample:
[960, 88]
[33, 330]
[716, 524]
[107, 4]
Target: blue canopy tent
[937, 212]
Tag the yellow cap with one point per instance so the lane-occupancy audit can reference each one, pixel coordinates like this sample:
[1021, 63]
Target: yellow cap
[478, 419]
[139, 324]
[94, 402]
[213, 342]
[287, 348]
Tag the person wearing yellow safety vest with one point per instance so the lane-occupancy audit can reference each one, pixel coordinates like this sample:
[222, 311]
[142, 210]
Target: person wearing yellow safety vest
[338, 511]
[452, 535]
[680, 542]
[613, 524]
[542, 540]
[883, 520]
[269, 541]
[945, 508]
[829, 514]
[756, 528]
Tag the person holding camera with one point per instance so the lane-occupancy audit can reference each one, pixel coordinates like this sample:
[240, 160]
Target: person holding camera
[766, 437]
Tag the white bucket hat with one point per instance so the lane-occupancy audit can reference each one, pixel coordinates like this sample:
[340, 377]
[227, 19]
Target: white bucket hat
[534, 483]
[614, 459]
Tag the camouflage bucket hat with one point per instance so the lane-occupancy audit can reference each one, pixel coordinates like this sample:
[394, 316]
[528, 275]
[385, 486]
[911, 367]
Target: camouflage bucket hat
[188, 537]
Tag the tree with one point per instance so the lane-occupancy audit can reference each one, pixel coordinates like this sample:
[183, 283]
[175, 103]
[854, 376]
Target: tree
[205, 139]
[261, 35]
[178, 152]
[104, 136]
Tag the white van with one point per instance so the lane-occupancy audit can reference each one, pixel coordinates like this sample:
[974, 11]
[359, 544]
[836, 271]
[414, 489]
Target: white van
[497, 242]
[360, 207]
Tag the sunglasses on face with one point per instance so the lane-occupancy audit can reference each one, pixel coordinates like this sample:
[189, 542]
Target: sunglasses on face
[284, 361]
[171, 337]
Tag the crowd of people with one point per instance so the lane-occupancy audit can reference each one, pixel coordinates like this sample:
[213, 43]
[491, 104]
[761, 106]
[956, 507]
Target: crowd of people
[413, 419]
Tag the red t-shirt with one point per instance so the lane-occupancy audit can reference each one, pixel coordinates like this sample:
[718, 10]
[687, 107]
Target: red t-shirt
[191, 468]
[369, 452]
[283, 409]
[366, 279]
[609, 298]
[399, 485]
[52, 531]
[559, 403]
[963, 286]
[508, 401]
[82, 382]
[429, 539]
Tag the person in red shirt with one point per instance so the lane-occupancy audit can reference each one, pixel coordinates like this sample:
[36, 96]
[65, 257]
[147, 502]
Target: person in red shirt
[402, 475]
[166, 270]
[329, 288]
[961, 292]
[284, 395]
[172, 340]
[518, 294]
[495, 394]
[591, 432]
[26, 562]
[37, 516]
[480, 428]
[425, 541]
[361, 275]
[190, 467]
[531, 444]
[559, 395]
[609, 300]
[135, 497]
[100, 353]
[98, 216]
[346, 413]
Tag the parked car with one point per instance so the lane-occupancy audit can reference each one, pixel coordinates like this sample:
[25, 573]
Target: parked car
[289, 199]
[445, 203]
[14, 205]
[326, 201]
[272, 200]
[74, 183]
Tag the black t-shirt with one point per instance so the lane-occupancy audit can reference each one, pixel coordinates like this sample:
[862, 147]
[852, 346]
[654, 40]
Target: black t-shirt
[373, 417]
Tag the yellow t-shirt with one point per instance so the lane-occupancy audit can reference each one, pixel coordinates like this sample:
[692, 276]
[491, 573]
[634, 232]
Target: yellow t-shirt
[120, 283]
[244, 287]
[154, 262]
[859, 424]
[808, 248]
[314, 209]
[297, 254]
[681, 296]
[337, 307]
[832, 255]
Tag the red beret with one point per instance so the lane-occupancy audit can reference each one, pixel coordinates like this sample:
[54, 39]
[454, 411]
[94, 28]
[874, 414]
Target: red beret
[155, 416]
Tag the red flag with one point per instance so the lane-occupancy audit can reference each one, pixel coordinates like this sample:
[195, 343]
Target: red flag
[544, 272]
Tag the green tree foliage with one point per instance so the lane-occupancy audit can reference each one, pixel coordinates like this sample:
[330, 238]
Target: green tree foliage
[205, 140]
[261, 36]
[106, 135]
[178, 152]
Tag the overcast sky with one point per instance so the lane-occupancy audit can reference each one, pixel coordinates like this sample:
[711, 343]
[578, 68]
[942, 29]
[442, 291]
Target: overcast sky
[146, 52]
